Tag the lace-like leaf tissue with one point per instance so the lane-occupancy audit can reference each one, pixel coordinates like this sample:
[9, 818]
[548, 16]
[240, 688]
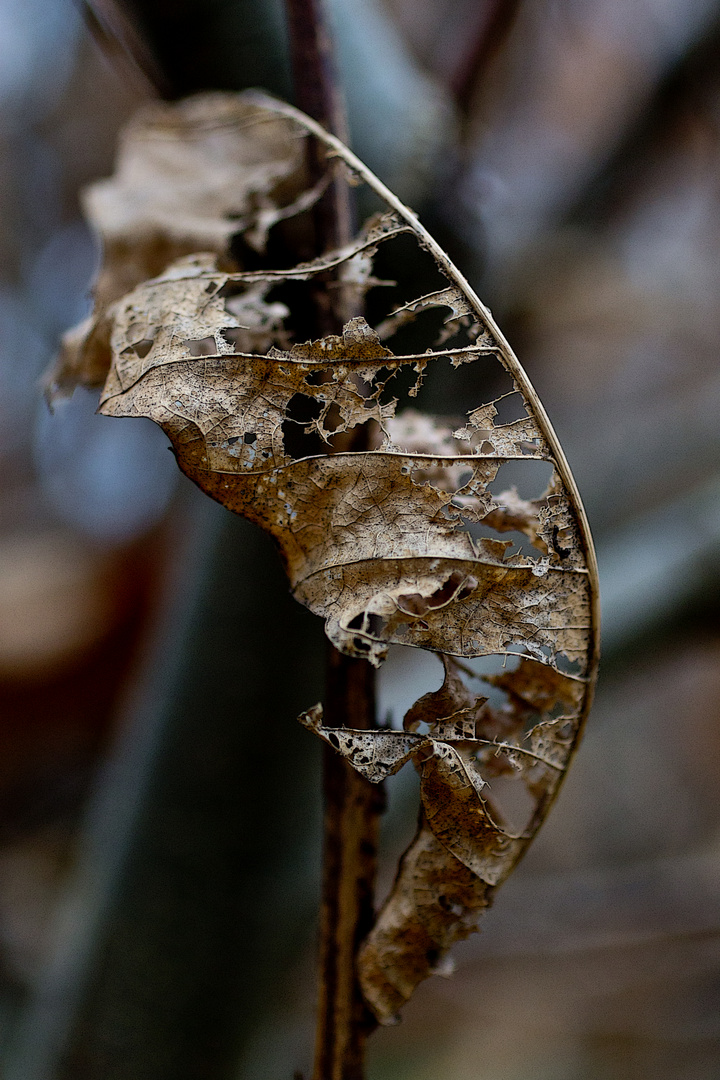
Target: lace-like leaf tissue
[462, 534]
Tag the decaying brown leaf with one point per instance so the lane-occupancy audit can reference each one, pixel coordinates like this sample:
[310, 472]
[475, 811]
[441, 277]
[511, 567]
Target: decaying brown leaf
[189, 176]
[460, 535]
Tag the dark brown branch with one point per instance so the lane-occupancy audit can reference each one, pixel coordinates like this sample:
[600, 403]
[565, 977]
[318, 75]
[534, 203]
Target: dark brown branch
[352, 814]
[317, 89]
[352, 805]
[317, 93]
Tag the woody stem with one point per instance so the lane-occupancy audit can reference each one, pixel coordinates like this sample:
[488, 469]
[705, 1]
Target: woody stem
[352, 804]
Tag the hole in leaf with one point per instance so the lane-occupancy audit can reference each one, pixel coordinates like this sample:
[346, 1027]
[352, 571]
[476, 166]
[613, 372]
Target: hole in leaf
[368, 622]
[333, 417]
[143, 347]
[354, 439]
[234, 336]
[530, 478]
[520, 544]
[300, 412]
[511, 800]
[457, 587]
[568, 666]
[202, 347]
[424, 328]
[510, 407]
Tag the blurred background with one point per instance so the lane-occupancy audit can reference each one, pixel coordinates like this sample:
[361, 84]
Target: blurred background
[159, 807]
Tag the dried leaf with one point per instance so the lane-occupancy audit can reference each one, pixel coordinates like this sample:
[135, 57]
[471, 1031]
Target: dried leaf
[405, 541]
[188, 177]
[436, 901]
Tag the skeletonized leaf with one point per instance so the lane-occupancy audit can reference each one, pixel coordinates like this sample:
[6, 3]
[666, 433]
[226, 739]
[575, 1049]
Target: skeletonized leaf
[462, 534]
[188, 177]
